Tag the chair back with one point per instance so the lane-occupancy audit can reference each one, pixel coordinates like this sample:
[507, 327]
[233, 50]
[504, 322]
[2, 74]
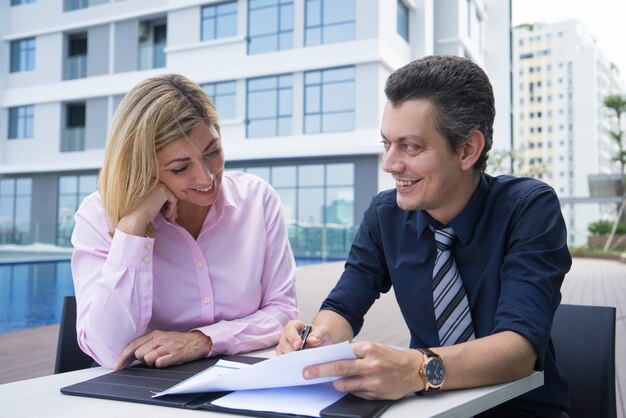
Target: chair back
[69, 355]
[584, 342]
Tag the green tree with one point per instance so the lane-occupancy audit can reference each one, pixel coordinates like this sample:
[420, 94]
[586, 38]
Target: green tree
[616, 104]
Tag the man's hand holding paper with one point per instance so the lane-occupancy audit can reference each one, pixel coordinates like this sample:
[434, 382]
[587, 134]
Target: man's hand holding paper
[281, 371]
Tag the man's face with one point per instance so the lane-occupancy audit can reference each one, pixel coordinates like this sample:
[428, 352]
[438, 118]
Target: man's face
[428, 173]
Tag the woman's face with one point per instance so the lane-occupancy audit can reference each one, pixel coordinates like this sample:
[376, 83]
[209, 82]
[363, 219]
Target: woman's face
[192, 167]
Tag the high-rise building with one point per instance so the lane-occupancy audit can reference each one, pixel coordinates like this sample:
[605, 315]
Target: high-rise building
[298, 85]
[560, 125]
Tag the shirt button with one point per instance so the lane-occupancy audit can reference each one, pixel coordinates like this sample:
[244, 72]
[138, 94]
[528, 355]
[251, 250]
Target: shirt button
[146, 259]
[207, 301]
[200, 264]
[148, 246]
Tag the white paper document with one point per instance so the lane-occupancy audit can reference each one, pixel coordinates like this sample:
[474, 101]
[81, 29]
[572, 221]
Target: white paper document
[280, 371]
[297, 400]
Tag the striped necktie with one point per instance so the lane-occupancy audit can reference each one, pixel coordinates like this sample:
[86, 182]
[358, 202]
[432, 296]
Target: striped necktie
[454, 319]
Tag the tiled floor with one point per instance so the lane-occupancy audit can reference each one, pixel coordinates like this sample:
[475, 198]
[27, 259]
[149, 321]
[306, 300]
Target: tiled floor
[31, 353]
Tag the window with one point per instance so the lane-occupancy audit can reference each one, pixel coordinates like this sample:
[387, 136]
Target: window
[329, 100]
[329, 21]
[223, 95]
[23, 55]
[152, 41]
[318, 206]
[76, 65]
[73, 138]
[72, 191]
[269, 106]
[70, 5]
[219, 21]
[15, 210]
[19, 2]
[403, 20]
[21, 122]
[270, 25]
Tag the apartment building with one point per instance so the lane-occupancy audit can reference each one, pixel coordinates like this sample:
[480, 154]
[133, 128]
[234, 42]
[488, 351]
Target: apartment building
[560, 126]
[298, 85]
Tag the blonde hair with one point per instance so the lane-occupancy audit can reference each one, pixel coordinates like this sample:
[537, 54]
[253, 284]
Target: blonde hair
[155, 113]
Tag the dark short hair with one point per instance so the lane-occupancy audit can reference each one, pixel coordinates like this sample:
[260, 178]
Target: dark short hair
[458, 89]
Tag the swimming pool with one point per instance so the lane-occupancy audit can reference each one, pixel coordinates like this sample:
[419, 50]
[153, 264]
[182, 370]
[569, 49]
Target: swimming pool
[31, 294]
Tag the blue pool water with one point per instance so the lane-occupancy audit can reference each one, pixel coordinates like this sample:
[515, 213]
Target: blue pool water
[31, 294]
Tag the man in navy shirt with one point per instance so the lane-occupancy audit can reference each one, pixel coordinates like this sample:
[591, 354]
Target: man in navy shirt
[510, 252]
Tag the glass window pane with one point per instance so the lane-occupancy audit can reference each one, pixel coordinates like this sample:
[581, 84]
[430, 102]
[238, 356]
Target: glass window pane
[24, 186]
[284, 126]
[225, 87]
[311, 175]
[338, 74]
[263, 22]
[312, 124]
[312, 77]
[312, 99]
[284, 102]
[87, 184]
[286, 17]
[338, 122]
[338, 11]
[311, 207]
[288, 203]
[284, 176]
[68, 184]
[7, 187]
[262, 44]
[263, 172]
[338, 33]
[340, 174]
[227, 26]
[313, 37]
[226, 106]
[262, 128]
[338, 96]
[208, 29]
[262, 104]
[313, 13]
[340, 205]
[262, 83]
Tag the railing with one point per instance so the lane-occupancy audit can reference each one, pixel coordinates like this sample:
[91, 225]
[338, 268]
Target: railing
[73, 139]
[76, 67]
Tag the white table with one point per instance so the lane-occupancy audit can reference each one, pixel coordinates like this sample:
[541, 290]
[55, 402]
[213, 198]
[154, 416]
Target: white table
[41, 398]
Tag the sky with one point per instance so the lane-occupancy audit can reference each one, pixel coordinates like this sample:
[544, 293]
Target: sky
[605, 20]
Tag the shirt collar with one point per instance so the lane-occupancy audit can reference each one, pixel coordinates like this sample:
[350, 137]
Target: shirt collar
[463, 224]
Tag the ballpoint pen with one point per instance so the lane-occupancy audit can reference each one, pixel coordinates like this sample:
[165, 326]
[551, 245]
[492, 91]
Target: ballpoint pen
[304, 335]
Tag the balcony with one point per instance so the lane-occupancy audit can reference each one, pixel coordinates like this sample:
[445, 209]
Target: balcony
[73, 139]
[75, 67]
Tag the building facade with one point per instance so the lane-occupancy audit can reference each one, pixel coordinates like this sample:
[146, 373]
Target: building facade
[298, 85]
[561, 126]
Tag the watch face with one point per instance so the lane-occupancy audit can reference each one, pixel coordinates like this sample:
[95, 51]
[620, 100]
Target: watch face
[434, 372]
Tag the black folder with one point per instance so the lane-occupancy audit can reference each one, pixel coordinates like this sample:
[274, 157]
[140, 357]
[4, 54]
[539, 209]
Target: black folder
[139, 383]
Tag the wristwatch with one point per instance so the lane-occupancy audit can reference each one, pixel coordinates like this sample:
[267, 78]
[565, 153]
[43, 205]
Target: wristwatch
[432, 371]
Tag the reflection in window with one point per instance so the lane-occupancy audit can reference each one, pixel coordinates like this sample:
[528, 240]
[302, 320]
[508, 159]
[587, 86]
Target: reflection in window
[72, 191]
[15, 210]
[219, 21]
[152, 42]
[269, 106]
[318, 206]
[329, 100]
[223, 96]
[23, 55]
[329, 21]
[21, 121]
[270, 25]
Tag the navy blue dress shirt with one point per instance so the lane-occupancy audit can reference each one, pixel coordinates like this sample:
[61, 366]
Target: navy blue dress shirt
[512, 255]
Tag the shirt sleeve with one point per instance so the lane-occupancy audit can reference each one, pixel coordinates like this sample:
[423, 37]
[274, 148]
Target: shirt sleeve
[533, 269]
[262, 328]
[113, 284]
[365, 275]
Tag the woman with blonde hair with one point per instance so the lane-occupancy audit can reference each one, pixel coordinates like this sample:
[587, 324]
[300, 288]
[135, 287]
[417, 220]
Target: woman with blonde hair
[174, 259]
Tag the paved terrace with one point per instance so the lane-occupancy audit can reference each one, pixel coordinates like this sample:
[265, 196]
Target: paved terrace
[31, 353]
